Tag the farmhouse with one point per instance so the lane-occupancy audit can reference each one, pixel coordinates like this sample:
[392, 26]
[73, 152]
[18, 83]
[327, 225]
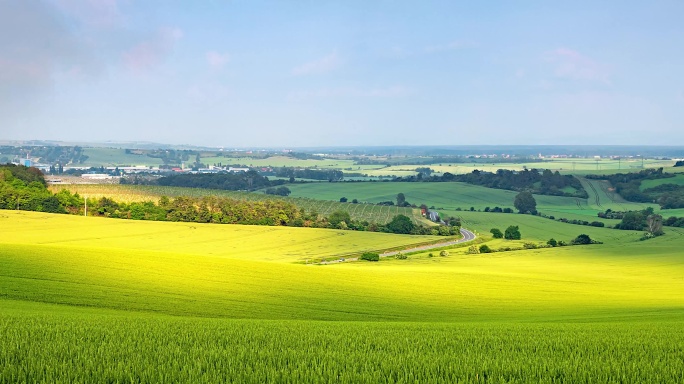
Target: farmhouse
[433, 215]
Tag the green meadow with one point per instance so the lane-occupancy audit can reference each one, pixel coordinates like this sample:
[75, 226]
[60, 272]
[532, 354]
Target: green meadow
[93, 299]
[452, 196]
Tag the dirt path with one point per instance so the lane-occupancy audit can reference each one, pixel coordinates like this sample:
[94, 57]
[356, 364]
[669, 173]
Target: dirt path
[467, 236]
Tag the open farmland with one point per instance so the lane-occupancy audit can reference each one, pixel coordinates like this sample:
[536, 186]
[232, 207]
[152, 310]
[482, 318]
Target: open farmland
[86, 298]
[450, 196]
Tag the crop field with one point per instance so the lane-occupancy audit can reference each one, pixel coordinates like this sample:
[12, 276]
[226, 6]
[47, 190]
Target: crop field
[581, 166]
[82, 347]
[94, 299]
[540, 229]
[452, 196]
[678, 180]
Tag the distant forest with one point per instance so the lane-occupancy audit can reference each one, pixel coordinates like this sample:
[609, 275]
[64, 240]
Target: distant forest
[542, 183]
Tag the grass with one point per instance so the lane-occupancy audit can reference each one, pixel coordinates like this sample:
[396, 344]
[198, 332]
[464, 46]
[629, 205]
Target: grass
[452, 196]
[88, 346]
[94, 299]
[678, 180]
[247, 272]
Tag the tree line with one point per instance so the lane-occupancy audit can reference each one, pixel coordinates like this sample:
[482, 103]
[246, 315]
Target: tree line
[535, 181]
[25, 189]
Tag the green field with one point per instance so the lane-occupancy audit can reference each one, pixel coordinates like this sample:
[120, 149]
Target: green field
[678, 180]
[452, 196]
[95, 299]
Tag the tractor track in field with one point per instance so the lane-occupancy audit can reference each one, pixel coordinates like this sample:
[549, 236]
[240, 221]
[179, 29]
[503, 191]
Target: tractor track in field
[597, 199]
[467, 236]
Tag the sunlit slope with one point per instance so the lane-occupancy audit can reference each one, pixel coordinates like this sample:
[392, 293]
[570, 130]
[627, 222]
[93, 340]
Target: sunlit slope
[252, 242]
[589, 282]
[534, 228]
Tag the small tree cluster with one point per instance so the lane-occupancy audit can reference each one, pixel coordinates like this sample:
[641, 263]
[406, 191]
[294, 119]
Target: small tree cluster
[370, 256]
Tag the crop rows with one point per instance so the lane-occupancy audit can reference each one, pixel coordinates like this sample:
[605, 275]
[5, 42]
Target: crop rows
[100, 348]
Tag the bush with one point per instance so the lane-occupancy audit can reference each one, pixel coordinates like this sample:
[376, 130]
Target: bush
[473, 250]
[400, 256]
[484, 248]
[496, 233]
[444, 253]
[582, 240]
[530, 246]
[431, 254]
[370, 256]
[552, 242]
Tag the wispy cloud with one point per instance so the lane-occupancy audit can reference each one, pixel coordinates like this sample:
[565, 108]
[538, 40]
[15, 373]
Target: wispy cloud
[454, 45]
[571, 64]
[153, 51]
[323, 65]
[324, 93]
[100, 13]
[216, 59]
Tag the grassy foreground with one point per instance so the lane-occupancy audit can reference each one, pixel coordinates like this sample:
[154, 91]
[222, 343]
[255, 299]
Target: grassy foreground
[92, 300]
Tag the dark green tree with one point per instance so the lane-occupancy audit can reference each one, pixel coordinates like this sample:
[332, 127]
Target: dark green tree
[400, 224]
[512, 233]
[496, 233]
[525, 203]
[401, 199]
[337, 217]
[582, 240]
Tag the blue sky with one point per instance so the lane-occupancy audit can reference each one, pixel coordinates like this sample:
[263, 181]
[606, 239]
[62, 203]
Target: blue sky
[323, 73]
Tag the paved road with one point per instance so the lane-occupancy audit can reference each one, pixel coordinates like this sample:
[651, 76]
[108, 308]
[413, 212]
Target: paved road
[467, 236]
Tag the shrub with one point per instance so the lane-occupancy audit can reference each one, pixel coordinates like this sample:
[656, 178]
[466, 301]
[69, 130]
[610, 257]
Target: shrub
[370, 256]
[400, 256]
[530, 246]
[552, 242]
[431, 254]
[496, 233]
[582, 240]
[484, 248]
[444, 253]
[473, 250]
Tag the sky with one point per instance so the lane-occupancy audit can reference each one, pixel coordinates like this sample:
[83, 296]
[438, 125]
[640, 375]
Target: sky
[305, 73]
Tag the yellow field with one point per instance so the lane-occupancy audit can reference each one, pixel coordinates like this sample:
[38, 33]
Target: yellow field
[247, 272]
[246, 242]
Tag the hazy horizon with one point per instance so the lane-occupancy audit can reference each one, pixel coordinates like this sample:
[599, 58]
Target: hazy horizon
[345, 74]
